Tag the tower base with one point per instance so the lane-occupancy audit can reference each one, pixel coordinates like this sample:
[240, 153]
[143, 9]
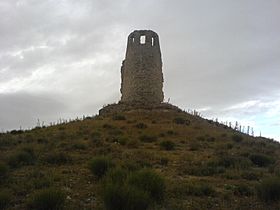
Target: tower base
[112, 109]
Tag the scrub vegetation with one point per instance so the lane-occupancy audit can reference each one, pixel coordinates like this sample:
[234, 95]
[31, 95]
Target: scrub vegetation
[138, 160]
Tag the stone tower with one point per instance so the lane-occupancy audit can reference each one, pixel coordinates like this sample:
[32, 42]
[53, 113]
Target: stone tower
[141, 71]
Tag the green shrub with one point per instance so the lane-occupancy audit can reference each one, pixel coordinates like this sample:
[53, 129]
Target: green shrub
[108, 126]
[118, 117]
[25, 156]
[132, 143]
[269, 189]
[58, 158]
[164, 161]
[95, 137]
[250, 176]
[47, 199]
[204, 190]
[194, 145]
[230, 161]
[237, 138]
[79, 146]
[203, 169]
[167, 145]
[122, 140]
[242, 190]
[116, 175]
[125, 197]
[183, 189]
[150, 182]
[181, 121]
[147, 138]
[41, 182]
[3, 170]
[100, 165]
[5, 199]
[260, 160]
[171, 132]
[141, 125]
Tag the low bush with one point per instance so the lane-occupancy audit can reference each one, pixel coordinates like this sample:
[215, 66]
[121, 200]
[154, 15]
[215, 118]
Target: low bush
[171, 132]
[125, 197]
[195, 189]
[118, 117]
[122, 140]
[95, 137]
[203, 170]
[47, 199]
[25, 156]
[261, 160]
[141, 125]
[108, 126]
[194, 146]
[237, 138]
[150, 182]
[269, 189]
[167, 145]
[181, 121]
[230, 161]
[250, 176]
[137, 190]
[3, 170]
[79, 146]
[132, 143]
[58, 158]
[42, 182]
[243, 190]
[147, 138]
[164, 161]
[5, 199]
[116, 175]
[100, 165]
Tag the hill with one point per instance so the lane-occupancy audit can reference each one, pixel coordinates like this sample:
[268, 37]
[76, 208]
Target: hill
[193, 164]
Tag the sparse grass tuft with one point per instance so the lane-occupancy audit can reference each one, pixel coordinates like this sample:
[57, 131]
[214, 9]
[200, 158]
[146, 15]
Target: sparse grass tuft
[167, 145]
[150, 182]
[243, 190]
[195, 189]
[260, 160]
[58, 158]
[100, 165]
[181, 121]
[3, 171]
[269, 189]
[47, 199]
[141, 125]
[24, 156]
[136, 190]
[5, 199]
[125, 197]
[237, 138]
[148, 138]
[118, 117]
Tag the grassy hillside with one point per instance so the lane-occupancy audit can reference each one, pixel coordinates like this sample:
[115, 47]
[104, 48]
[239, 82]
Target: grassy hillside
[193, 164]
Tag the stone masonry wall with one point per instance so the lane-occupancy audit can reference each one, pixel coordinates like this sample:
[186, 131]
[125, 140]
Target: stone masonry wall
[141, 71]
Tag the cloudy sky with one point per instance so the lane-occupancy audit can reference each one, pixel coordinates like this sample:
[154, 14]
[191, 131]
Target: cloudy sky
[61, 59]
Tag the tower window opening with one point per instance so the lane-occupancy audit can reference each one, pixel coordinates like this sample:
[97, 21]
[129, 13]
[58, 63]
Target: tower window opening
[133, 40]
[142, 39]
[153, 41]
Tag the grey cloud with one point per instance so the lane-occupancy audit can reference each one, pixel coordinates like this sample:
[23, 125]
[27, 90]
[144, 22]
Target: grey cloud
[23, 109]
[215, 53]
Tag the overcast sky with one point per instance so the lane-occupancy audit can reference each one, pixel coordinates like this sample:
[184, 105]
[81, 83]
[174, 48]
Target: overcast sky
[62, 59]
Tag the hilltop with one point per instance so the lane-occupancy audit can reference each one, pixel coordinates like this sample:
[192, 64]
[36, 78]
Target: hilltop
[202, 164]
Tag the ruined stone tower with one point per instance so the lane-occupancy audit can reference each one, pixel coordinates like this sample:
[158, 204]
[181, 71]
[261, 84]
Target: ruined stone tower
[141, 71]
